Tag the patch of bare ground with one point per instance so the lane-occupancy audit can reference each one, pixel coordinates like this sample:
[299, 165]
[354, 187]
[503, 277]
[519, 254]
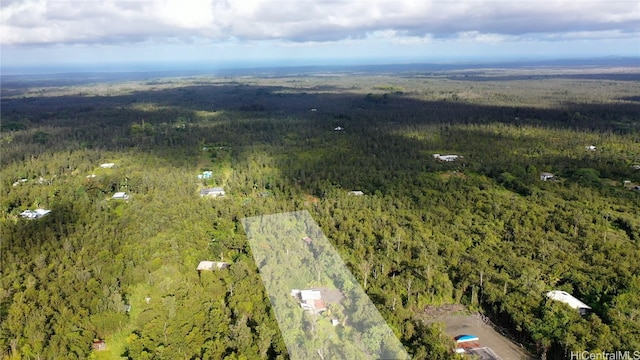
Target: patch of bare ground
[460, 321]
[331, 296]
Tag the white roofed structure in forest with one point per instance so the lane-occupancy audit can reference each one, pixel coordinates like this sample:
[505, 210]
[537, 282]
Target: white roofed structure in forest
[447, 158]
[34, 214]
[212, 265]
[569, 299]
[121, 195]
[310, 300]
[545, 176]
[212, 192]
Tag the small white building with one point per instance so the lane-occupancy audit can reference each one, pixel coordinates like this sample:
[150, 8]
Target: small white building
[568, 299]
[447, 158]
[212, 192]
[356, 193]
[121, 195]
[546, 176]
[590, 147]
[212, 265]
[34, 214]
[338, 128]
[107, 165]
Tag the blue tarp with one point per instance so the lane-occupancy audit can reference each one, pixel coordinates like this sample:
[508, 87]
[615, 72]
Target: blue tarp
[465, 338]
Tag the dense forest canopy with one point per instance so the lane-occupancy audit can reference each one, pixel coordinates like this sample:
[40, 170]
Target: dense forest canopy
[483, 231]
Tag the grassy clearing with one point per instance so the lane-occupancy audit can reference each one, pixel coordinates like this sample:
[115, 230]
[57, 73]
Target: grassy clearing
[117, 342]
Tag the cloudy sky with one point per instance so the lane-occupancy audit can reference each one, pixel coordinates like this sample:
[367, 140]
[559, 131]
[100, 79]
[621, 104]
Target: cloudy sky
[50, 32]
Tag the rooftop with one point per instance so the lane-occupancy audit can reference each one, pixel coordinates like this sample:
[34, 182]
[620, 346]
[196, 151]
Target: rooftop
[567, 298]
[212, 265]
[120, 195]
[34, 214]
[310, 300]
[216, 191]
[310, 295]
[451, 157]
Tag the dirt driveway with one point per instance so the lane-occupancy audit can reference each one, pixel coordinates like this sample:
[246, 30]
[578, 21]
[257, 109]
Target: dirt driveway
[460, 322]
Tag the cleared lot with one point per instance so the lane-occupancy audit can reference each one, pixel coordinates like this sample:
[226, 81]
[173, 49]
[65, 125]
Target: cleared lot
[458, 323]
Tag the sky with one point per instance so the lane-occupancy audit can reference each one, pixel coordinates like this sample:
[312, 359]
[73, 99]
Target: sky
[313, 32]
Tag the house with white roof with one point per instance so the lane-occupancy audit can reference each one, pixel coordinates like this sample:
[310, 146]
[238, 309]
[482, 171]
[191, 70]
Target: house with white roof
[447, 158]
[546, 176]
[568, 299]
[212, 265]
[310, 300]
[107, 165]
[34, 214]
[121, 195]
[212, 192]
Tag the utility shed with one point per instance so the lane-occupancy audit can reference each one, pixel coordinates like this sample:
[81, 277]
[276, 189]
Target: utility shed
[568, 299]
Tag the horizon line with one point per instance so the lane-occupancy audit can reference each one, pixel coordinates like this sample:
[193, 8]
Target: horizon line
[201, 66]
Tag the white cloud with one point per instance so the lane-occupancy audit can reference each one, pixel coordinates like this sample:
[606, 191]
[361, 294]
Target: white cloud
[476, 36]
[192, 14]
[38, 22]
[592, 35]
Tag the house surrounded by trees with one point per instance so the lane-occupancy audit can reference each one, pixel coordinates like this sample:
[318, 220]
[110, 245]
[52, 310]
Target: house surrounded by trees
[570, 300]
